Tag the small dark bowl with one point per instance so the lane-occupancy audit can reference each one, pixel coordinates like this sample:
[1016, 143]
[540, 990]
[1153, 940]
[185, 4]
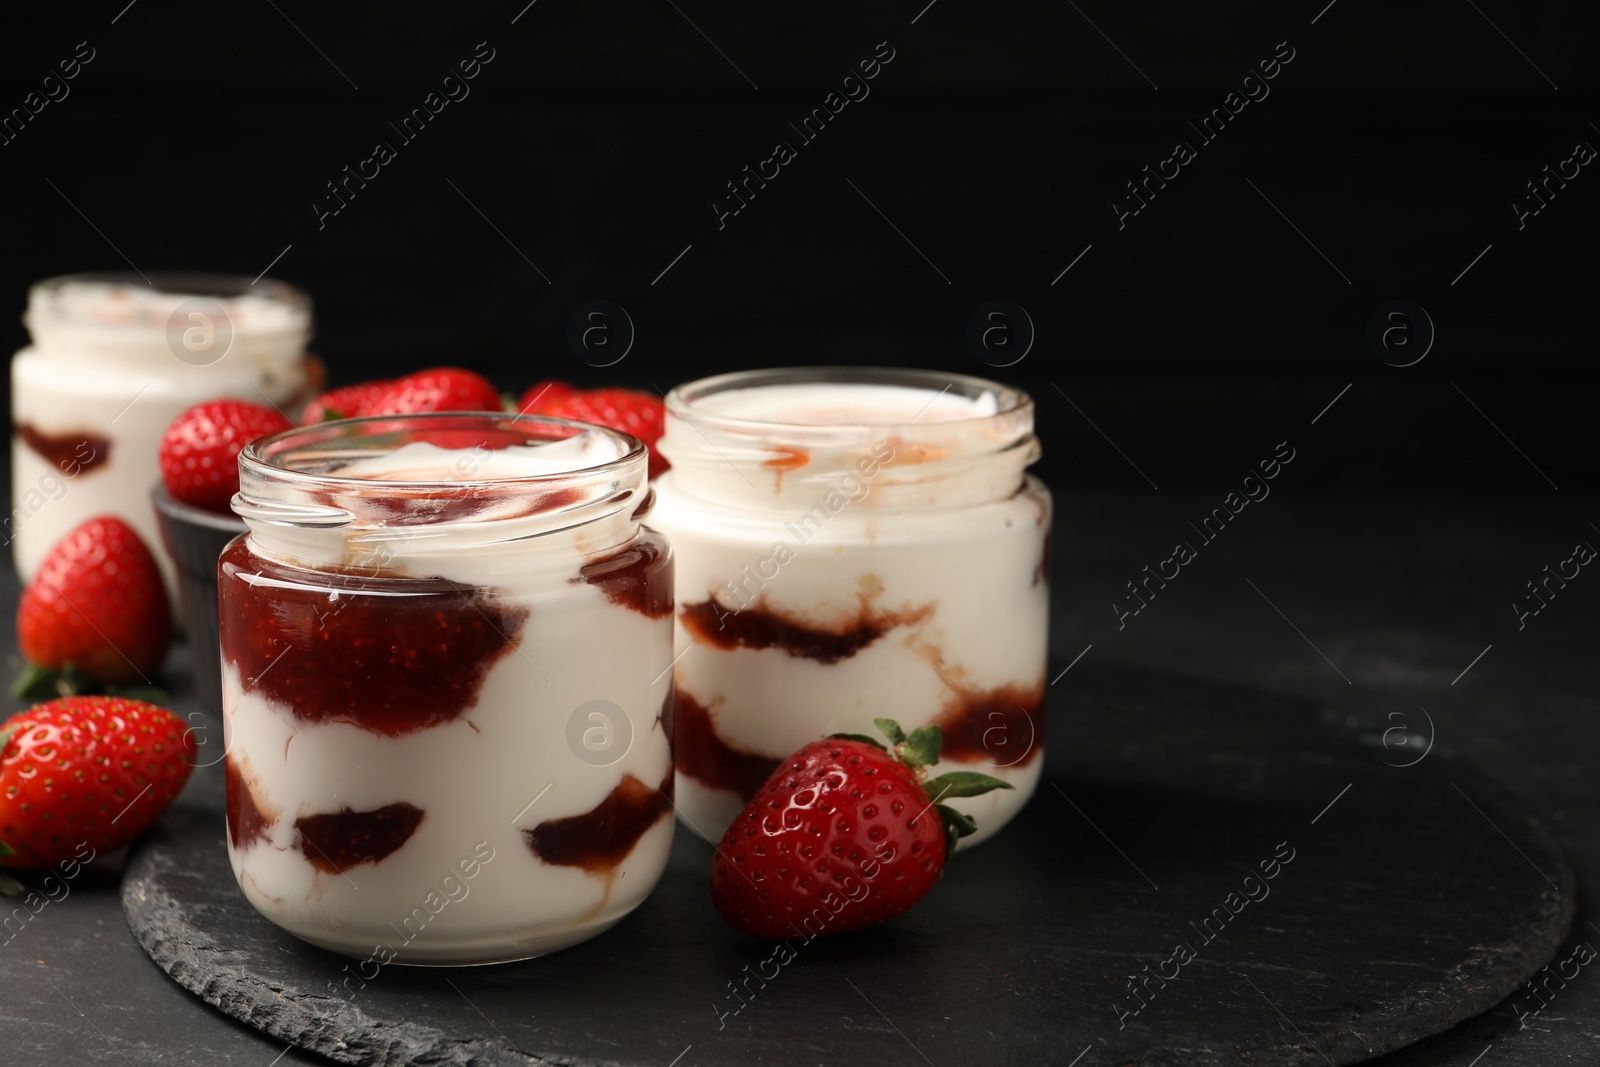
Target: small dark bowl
[195, 539]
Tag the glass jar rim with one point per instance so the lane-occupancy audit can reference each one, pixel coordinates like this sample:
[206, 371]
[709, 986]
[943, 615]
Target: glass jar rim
[202, 284]
[681, 399]
[257, 456]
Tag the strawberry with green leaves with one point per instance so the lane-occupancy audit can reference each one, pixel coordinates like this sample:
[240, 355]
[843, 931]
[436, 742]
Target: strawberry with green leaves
[845, 834]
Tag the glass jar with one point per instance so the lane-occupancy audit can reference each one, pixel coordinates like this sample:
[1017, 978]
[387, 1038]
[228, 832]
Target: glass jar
[113, 360]
[854, 543]
[446, 655]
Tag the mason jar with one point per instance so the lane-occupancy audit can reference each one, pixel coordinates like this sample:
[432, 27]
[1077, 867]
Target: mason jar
[113, 359]
[853, 544]
[446, 655]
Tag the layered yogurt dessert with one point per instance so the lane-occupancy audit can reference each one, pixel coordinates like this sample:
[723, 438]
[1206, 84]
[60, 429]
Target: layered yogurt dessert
[113, 359]
[852, 544]
[447, 647]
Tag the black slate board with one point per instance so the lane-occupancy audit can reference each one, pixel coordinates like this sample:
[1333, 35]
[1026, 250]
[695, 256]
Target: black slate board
[1418, 896]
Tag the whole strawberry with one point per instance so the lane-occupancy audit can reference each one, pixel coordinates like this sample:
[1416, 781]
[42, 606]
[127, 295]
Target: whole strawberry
[93, 769]
[200, 451]
[542, 394]
[343, 403]
[844, 835]
[98, 603]
[437, 389]
[628, 410]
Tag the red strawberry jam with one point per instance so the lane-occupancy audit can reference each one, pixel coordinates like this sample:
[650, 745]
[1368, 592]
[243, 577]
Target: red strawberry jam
[390, 655]
[758, 626]
[336, 841]
[601, 838]
[1003, 727]
[248, 817]
[702, 755]
[639, 577]
[70, 453]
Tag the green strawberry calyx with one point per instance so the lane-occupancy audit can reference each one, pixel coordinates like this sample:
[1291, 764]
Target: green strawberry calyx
[917, 751]
[38, 683]
[9, 886]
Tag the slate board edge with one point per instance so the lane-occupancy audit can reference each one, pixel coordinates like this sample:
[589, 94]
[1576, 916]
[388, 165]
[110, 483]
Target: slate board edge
[1349, 1047]
[152, 916]
[315, 1023]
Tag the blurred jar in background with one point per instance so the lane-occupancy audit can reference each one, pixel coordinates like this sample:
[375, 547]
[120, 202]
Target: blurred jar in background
[114, 359]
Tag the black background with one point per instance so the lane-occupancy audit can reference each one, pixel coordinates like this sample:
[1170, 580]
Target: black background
[1194, 338]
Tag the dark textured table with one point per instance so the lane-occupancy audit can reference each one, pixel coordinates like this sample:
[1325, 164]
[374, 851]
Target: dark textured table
[1365, 605]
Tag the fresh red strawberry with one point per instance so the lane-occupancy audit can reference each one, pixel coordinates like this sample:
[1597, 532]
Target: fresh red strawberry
[343, 403]
[542, 394]
[86, 769]
[844, 835]
[98, 603]
[628, 410]
[200, 451]
[437, 389]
